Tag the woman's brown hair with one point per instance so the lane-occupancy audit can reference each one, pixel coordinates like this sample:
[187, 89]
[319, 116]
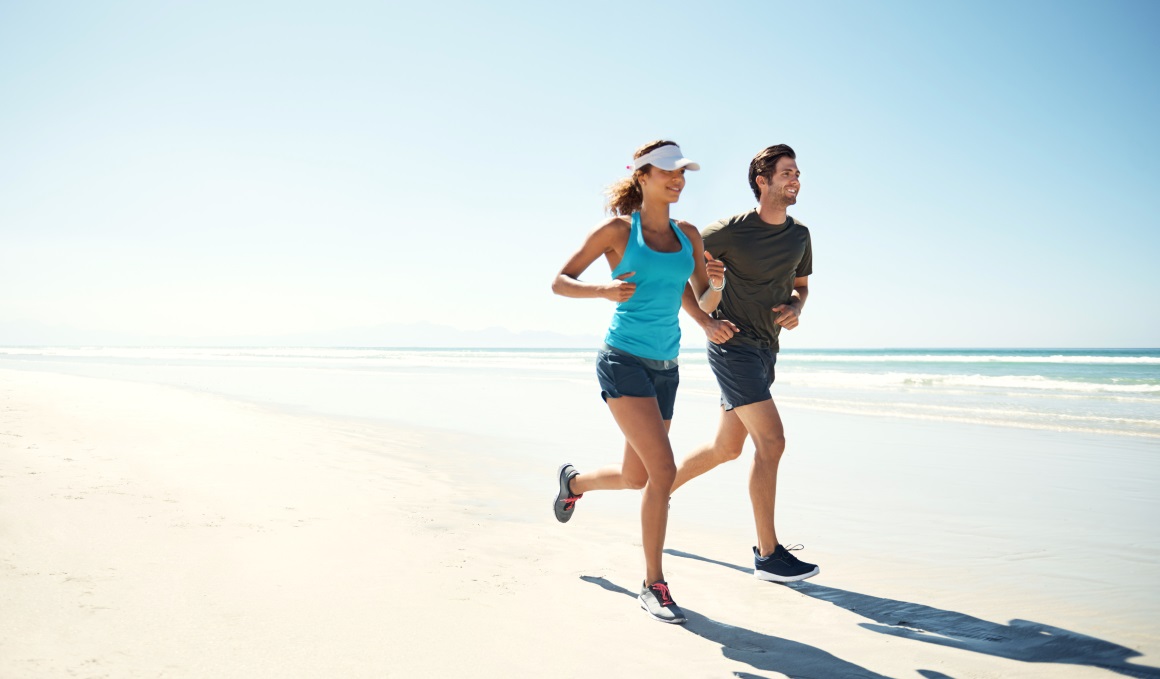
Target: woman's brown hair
[625, 197]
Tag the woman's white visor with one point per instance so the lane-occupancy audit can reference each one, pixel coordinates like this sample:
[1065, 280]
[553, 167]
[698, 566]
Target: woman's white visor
[666, 158]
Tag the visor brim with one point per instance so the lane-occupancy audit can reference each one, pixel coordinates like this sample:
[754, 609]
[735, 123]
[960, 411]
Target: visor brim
[677, 164]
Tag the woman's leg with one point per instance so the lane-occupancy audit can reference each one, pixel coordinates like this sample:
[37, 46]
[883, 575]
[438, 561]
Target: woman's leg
[647, 435]
[630, 474]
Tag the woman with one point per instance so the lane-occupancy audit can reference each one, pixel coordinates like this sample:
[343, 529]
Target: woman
[652, 257]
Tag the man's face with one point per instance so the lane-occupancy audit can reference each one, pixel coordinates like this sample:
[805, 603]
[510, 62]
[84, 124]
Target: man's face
[783, 185]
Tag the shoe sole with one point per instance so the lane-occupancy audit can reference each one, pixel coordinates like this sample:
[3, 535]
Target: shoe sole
[674, 621]
[561, 515]
[770, 577]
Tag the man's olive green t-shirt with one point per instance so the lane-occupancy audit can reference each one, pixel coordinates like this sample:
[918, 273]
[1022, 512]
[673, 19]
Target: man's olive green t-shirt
[761, 262]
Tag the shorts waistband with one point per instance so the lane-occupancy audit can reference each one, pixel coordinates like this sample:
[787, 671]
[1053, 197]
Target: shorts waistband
[650, 363]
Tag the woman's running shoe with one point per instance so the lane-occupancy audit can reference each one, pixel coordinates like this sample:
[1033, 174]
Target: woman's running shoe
[657, 601]
[565, 501]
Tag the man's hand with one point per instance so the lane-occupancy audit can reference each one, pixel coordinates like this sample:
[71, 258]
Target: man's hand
[715, 270]
[619, 289]
[719, 331]
[787, 316]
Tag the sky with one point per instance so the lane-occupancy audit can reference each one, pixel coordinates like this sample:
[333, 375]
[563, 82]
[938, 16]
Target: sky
[974, 174]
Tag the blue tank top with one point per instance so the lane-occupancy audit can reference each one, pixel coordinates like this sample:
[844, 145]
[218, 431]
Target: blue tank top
[646, 324]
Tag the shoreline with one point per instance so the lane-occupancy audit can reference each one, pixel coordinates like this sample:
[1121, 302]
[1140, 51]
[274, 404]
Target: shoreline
[1116, 395]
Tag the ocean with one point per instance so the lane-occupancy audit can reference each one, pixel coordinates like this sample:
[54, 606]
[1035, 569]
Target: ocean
[1101, 391]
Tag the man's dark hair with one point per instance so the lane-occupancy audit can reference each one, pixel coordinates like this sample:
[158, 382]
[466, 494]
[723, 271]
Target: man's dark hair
[764, 163]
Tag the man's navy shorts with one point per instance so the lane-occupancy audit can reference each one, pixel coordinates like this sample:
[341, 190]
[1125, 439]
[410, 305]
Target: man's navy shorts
[622, 374]
[743, 372]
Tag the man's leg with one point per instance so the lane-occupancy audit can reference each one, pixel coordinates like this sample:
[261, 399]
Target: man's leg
[727, 446]
[763, 423]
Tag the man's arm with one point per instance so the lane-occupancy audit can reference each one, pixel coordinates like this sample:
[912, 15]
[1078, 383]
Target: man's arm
[787, 314]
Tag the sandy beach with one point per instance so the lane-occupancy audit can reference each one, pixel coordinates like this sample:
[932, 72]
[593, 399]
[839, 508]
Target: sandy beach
[301, 305]
[148, 530]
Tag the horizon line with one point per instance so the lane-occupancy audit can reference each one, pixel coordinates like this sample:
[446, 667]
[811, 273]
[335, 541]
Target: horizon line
[549, 348]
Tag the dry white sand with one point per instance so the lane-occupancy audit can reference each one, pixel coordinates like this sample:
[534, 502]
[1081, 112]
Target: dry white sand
[147, 531]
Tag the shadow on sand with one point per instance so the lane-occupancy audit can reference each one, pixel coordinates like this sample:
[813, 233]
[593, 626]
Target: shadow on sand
[762, 651]
[1021, 640]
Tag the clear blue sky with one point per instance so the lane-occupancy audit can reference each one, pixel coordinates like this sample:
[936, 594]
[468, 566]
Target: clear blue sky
[974, 173]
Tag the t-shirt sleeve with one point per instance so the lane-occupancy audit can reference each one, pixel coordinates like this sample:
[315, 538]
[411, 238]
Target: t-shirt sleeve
[716, 240]
[805, 267]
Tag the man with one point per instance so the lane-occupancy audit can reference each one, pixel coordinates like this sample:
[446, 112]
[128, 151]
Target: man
[768, 260]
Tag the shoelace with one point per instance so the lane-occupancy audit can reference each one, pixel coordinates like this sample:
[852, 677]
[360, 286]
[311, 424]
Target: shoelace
[662, 589]
[571, 502]
[790, 549]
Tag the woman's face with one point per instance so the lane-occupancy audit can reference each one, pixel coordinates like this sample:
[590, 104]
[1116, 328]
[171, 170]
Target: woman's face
[662, 185]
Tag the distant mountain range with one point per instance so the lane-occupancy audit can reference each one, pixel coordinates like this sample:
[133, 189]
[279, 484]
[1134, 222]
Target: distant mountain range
[394, 335]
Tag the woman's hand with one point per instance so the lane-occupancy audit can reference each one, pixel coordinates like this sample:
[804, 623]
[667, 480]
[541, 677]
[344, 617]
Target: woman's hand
[715, 270]
[719, 331]
[619, 289]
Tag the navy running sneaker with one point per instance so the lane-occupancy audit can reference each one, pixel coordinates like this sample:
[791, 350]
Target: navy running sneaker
[782, 566]
[565, 500]
[657, 601]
